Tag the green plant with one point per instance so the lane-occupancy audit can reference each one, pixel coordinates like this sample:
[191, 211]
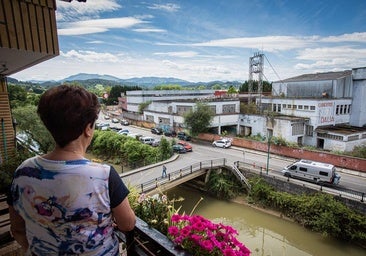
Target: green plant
[8, 167]
[223, 184]
[156, 211]
[201, 237]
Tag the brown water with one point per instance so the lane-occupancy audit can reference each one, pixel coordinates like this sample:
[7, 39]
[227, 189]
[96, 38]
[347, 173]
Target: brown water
[262, 233]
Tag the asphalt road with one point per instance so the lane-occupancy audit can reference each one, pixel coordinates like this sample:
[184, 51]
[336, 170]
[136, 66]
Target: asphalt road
[204, 151]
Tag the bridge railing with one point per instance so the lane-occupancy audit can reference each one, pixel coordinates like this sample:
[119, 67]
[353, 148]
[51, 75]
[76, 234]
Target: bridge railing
[178, 174]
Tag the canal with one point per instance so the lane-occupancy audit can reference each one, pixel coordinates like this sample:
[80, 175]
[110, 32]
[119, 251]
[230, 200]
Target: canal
[264, 234]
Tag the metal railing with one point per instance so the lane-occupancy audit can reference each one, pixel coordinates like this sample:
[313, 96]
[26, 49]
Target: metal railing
[181, 173]
[330, 189]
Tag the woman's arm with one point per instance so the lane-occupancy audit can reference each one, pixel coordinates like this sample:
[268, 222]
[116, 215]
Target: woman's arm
[124, 216]
[17, 228]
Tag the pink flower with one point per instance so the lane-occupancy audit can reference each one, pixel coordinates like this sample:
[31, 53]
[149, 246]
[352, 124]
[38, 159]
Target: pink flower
[200, 236]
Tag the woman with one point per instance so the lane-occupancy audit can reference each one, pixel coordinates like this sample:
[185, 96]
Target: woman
[61, 203]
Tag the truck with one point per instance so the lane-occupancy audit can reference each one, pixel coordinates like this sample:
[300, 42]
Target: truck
[321, 173]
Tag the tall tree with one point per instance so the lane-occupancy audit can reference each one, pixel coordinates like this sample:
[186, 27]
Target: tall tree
[29, 123]
[199, 119]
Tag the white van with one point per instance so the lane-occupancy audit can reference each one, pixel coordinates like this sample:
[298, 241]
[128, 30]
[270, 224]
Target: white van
[147, 140]
[313, 171]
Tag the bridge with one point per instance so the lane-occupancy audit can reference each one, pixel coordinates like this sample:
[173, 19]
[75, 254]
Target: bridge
[175, 178]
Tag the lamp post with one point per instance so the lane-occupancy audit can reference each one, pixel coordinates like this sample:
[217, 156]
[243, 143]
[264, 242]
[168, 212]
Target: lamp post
[269, 146]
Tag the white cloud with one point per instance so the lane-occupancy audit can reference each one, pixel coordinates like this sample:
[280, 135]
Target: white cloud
[76, 10]
[90, 56]
[148, 30]
[169, 7]
[186, 54]
[326, 53]
[353, 37]
[97, 26]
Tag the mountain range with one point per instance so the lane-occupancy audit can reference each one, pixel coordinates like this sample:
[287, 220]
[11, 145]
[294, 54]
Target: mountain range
[137, 81]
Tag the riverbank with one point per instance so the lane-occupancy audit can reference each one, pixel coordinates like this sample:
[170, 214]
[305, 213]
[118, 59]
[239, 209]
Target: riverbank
[242, 199]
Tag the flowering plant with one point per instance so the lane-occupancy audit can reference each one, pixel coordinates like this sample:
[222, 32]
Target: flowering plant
[200, 236]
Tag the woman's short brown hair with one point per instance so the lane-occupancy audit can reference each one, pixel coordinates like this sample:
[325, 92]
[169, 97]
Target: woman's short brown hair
[66, 110]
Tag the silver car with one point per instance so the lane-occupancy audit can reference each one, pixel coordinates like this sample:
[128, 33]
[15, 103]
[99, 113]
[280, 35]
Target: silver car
[223, 143]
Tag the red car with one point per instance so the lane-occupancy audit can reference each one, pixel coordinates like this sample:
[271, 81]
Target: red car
[186, 145]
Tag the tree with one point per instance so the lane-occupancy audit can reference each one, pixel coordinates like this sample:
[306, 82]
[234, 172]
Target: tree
[29, 123]
[17, 95]
[266, 86]
[199, 119]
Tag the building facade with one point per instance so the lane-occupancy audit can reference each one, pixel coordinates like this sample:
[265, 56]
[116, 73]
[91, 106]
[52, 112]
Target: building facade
[166, 108]
[324, 110]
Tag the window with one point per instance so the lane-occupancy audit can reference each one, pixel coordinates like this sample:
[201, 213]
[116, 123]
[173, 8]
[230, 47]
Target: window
[337, 110]
[341, 110]
[323, 173]
[297, 128]
[279, 108]
[300, 106]
[312, 107]
[303, 169]
[309, 129]
[228, 108]
[294, 167]
[306, 107]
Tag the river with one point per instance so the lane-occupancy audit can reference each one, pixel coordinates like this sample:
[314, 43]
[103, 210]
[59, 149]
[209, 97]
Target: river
[262, 233]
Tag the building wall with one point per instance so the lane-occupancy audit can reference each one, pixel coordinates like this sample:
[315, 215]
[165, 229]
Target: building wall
[358, 113]
[7, 134]
[135, 98]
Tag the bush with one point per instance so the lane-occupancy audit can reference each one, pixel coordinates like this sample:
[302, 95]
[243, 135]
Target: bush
[319, 212]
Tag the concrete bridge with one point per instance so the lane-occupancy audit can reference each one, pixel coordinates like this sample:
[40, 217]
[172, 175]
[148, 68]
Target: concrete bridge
[162, 184]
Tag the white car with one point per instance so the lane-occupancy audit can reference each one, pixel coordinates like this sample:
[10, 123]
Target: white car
[223, 143]
[123, 132]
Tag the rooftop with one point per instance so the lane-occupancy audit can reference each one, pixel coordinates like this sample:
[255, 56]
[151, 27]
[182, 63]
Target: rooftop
[318, 76]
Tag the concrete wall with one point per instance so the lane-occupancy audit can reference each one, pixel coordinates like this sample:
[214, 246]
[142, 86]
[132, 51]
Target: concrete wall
[358, 113]
[292, 188]
[352, 163]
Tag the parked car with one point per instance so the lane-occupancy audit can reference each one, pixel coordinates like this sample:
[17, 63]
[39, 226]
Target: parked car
[147, 140]
[124, 132]
[102, 126]
[156, 130]
[179, 149]
[183, 136]
[170, 133]
[115, 120]
[223, 143]
[106, 117]
[124, 122]
[186, 145]
[155, 143]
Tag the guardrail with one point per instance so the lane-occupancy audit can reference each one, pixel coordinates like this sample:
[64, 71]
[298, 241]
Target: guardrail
[330, 189]
[181, 173]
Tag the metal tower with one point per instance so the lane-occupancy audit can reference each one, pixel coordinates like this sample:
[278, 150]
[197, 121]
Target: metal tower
[256, 67]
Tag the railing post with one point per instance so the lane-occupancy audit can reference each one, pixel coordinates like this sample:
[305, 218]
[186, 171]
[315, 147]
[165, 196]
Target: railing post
[363, 194]
[142, 188]
[169, 176]
[191, 168]
[261, 171]
[200, 165]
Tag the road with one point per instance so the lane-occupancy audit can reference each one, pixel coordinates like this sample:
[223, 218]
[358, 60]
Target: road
[204, 151]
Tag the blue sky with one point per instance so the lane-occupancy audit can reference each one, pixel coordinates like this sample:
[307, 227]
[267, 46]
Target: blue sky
[205, 40]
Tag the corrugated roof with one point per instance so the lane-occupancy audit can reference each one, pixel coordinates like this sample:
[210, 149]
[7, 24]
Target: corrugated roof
[318, 76]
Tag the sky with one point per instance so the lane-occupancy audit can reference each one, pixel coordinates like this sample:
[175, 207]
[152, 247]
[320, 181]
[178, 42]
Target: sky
[205, 40]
